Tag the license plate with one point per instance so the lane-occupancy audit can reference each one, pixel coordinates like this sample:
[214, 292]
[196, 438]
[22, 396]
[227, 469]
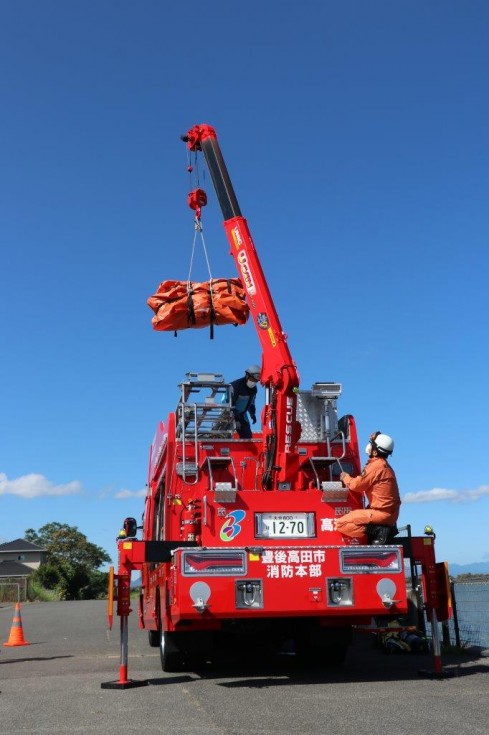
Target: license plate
[284, 525]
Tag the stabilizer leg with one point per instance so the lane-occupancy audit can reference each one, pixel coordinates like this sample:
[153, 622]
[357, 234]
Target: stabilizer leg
[123, 610]
[438, 672]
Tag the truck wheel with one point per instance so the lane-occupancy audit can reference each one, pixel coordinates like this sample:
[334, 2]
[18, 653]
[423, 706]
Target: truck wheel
[170, 652]
[154, 637]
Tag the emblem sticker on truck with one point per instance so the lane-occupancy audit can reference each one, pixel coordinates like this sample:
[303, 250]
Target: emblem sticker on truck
[262, 320]
[231, 528]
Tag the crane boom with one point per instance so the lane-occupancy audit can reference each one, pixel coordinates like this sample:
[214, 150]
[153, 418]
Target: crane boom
[281, 430]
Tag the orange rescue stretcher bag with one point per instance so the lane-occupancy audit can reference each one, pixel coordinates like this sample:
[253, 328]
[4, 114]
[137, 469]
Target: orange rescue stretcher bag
[187, 305]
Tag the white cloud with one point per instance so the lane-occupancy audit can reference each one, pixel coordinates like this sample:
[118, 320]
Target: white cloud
[439, 493]
[123, 494]
[36, 486]
[478, 493]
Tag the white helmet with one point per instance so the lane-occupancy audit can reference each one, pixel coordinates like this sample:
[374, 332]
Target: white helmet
[384, 444]
[254, 371]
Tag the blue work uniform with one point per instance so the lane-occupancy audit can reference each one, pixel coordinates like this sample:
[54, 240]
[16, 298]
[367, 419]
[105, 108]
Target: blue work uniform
[243, 403]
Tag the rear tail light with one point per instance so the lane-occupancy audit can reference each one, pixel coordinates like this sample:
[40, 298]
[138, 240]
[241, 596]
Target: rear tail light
[213, 563]
[370, 560]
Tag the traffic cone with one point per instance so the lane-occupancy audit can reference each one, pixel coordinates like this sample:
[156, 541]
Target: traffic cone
[16, 637]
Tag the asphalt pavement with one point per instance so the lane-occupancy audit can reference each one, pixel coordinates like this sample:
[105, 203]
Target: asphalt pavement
[53, 686]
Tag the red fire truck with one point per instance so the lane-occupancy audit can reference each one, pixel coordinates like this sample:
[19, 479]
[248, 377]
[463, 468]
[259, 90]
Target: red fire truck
[239, 541]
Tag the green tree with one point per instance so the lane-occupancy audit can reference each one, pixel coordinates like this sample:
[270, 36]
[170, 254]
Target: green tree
[72, 562]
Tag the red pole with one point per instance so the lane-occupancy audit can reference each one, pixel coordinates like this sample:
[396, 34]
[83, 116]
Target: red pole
[435, 633]
[123, 610]
[124, 644]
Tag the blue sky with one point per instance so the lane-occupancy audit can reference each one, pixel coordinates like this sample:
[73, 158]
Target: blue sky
[355, 134]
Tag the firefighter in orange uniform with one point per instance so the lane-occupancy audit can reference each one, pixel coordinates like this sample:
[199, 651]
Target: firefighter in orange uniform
[378, 482]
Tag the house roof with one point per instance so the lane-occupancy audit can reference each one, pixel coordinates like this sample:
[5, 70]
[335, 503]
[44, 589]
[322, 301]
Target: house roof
[20, 544]
[14, 569]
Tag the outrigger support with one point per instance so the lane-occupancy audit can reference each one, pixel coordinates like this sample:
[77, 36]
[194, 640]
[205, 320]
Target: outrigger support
[123, 611]
[132, 555]
[420, 550]
[438, 672]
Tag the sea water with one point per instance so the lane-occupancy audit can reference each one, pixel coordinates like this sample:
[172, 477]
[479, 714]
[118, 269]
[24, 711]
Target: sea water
[472, 603]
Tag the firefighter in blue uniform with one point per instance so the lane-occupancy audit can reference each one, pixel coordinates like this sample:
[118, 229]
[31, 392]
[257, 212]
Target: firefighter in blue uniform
[243, 395]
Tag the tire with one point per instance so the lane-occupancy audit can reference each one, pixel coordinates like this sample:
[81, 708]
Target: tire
[154, 637]
[171, 653]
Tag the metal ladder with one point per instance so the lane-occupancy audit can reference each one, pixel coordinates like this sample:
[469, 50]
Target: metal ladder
[203, 412]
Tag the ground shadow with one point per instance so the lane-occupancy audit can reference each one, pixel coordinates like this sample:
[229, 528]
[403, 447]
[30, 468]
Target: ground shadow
[33, 658]
[365, 662]
[171, 680]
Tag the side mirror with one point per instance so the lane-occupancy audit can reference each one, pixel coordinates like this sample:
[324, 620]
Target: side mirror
[130, 527]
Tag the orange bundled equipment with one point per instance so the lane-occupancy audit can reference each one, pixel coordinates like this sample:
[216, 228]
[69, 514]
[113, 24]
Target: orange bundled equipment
[188, 305]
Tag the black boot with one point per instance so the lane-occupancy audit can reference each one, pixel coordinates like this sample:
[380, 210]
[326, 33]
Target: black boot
[379, 535]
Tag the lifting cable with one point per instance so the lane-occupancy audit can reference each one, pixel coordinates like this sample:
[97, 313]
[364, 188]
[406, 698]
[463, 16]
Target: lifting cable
[199, 230]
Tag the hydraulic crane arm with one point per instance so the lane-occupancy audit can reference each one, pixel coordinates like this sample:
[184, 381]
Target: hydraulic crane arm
[279, 374]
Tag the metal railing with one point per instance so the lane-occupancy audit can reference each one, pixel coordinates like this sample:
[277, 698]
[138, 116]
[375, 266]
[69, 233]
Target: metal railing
[14, 591]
